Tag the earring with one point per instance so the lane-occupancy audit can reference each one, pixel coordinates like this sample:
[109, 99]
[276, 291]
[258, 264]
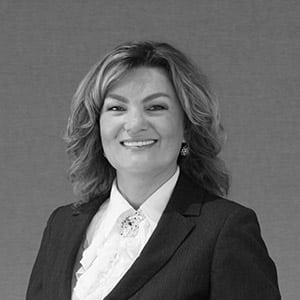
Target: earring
[185, 150]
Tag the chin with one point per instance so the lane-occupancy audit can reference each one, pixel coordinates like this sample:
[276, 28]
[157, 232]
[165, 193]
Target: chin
[142, 168]
[136, 167]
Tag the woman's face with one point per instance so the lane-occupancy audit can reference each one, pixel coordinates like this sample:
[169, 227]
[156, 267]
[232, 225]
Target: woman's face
[141, 123]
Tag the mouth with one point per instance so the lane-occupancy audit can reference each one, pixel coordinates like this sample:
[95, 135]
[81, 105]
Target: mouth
[138, 143]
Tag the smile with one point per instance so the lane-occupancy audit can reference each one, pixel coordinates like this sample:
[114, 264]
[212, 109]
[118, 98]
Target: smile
[142, 143]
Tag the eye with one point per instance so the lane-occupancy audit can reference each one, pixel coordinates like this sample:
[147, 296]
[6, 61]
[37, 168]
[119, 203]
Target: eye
[116, 108]
[156, 107]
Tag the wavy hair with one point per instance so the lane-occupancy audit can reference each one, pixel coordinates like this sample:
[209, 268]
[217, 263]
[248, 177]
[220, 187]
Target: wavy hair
[90, 173]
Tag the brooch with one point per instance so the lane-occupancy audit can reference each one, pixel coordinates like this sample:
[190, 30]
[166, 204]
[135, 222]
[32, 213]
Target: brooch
[130, 225]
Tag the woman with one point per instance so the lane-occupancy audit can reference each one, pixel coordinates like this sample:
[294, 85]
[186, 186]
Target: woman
[151, 223]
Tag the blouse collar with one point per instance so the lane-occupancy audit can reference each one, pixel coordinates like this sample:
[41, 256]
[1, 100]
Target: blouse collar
[152, 207]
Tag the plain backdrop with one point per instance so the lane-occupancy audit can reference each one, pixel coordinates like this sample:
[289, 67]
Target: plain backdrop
[250, 50]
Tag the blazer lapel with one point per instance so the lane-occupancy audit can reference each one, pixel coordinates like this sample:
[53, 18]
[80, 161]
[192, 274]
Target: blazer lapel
[73, 235]
[175, 224]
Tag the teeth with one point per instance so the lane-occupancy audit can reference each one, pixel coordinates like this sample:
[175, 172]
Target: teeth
[138, 143]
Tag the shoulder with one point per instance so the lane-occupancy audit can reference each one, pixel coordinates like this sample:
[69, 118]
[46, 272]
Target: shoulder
[72, 209]
[59, 216]
[232, 226]
[219, 214]
[191, 197]
[219, 206]
[61, 211]
[68, 214]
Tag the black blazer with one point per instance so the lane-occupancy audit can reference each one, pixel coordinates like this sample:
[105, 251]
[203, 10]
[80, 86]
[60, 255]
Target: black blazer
[204, 247]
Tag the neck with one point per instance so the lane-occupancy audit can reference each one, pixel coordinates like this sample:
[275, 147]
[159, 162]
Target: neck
[137, 187]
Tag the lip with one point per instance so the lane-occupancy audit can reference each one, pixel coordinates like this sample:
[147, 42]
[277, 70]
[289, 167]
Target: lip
[137, 144]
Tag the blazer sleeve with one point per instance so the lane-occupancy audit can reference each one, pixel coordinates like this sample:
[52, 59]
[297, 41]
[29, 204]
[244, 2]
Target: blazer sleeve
[35, 286]
[242, 268]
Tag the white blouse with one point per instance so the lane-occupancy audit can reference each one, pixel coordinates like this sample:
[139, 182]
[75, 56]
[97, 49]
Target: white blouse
[109, 248]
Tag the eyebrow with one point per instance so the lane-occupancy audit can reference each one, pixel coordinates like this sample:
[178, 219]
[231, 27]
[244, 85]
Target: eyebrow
[148, 98]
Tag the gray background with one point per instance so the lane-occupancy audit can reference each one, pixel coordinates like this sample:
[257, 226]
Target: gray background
[249, 49]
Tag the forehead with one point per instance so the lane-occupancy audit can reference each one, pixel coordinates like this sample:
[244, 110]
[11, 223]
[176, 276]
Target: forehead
[143, 81]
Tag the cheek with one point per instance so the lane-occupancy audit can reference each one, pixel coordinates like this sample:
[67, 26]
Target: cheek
[175, 129]
[105, 131]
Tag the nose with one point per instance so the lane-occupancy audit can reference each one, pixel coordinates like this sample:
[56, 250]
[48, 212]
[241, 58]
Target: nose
[135, 121]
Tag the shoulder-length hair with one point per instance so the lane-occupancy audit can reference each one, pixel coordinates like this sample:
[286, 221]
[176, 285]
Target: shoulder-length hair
[90, 173]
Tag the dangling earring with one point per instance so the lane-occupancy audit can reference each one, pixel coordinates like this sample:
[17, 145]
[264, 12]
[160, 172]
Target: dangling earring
[185, 150]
